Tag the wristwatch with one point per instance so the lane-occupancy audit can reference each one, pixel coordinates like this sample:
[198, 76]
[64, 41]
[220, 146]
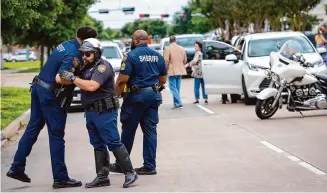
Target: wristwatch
[73, 78]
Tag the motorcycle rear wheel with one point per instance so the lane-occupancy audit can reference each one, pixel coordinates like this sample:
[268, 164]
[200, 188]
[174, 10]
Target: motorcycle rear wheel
[263, 108]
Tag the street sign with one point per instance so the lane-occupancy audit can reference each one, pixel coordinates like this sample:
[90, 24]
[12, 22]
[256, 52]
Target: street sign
[103, 11]
[128, 9]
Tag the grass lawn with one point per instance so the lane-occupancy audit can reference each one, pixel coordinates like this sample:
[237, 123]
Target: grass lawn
[14, 102]
[15, 65]
[31, 70]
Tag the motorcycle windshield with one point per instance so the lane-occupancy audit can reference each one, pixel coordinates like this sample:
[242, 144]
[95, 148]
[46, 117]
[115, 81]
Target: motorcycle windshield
[292, 49]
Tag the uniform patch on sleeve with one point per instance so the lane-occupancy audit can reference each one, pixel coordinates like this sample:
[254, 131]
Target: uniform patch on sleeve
[60, 48]
[101, 68]
[76, 62]
[123, 65]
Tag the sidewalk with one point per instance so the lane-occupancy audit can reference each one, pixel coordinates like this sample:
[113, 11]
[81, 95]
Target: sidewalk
[10, 78]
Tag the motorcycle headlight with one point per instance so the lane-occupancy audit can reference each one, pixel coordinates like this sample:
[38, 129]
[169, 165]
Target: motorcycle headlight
[274, 77]
[283, 81]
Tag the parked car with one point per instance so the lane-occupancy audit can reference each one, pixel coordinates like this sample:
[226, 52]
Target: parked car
[187, 41]
[227, 70]
[20, 56]
[120, 45]
[114, 56]
[155, 47]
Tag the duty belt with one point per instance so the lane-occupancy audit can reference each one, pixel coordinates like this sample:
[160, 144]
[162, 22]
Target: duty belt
[135, 89]
[102, 105]
[42, 83]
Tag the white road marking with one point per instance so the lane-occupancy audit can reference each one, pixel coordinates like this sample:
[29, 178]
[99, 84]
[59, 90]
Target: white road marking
[271, 146]
[205, 109]
[312, 168]
[293, 158]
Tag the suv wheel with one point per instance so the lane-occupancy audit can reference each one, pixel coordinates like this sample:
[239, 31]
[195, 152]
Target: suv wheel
[247, 100]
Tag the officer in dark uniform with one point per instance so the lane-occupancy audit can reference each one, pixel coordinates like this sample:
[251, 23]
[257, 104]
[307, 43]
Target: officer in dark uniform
[50, 98]
[101, 105]
[145, 73]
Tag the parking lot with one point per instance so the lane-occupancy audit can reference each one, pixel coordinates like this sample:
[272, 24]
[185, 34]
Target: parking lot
[213, 147]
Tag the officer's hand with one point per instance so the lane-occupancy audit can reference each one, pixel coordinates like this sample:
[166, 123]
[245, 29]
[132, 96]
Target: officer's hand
[67, 76]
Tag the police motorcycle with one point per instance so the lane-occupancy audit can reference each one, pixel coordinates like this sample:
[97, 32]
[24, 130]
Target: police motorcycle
[305, 91]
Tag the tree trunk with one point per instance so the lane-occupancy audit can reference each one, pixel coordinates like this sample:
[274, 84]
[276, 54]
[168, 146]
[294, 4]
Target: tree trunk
[48, 51]
[42, 56]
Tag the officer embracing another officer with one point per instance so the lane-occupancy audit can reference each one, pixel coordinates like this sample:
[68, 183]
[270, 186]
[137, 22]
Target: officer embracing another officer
[101, 105]
[50, 98]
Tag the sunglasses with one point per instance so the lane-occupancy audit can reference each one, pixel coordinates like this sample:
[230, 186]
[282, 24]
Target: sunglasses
[87, 54]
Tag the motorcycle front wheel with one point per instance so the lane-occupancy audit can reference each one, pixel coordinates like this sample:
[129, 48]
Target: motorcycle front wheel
[264, 109]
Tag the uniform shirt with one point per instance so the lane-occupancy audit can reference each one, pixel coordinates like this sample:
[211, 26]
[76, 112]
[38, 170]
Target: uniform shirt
[61, 58]
[102, 73]
[143, 66]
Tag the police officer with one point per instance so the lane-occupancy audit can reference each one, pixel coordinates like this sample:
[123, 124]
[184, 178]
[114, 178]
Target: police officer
[50, 98]
[101, 105]
[144, 71]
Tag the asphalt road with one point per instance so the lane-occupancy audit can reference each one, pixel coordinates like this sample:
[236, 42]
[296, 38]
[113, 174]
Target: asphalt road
[211, 147]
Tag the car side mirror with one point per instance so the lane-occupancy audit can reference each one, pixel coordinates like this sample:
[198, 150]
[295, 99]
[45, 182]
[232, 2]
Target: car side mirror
[322, 50]
[231, 58]
[277, 46]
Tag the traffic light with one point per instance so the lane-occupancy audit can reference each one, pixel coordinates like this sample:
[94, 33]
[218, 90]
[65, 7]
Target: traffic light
[185, 15]
[164, 15]
[144, 15]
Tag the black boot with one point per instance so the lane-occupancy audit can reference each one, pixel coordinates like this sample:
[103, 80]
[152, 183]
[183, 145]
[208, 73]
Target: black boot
[115, 167]
[102, 169]
[124, 161]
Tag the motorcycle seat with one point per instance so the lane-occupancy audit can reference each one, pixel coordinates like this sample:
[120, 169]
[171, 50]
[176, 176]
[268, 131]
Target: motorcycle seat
[321, 76]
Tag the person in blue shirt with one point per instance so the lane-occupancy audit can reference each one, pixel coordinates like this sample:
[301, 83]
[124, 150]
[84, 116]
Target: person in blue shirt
[144, 72]
[50, 98]
[101, 110]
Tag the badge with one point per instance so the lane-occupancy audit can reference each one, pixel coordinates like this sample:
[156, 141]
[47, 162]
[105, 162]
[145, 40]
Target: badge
[101, 68]
[123, 66]
[76, 62]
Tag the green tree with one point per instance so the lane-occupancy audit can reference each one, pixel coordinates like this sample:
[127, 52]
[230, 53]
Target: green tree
[18, 16]
[242, 12]
[153, 27]
[184, 23]
[109, 34]
[63, 28]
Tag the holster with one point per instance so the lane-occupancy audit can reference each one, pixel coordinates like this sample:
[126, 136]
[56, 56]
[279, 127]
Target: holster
[64, 94]
[102, 105]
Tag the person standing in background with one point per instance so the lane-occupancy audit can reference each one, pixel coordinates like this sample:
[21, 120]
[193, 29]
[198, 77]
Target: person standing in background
[321, 40]
[175, 59]
[196, 65]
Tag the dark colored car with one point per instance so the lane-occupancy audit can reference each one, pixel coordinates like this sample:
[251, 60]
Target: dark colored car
[187, 41]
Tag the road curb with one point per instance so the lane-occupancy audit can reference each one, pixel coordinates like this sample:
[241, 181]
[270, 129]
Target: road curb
[15, 126]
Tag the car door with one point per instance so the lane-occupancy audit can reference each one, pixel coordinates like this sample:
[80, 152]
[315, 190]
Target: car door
[221, 76]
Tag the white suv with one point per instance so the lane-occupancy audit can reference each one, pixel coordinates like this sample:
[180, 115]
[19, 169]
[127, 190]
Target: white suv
[227, 70]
